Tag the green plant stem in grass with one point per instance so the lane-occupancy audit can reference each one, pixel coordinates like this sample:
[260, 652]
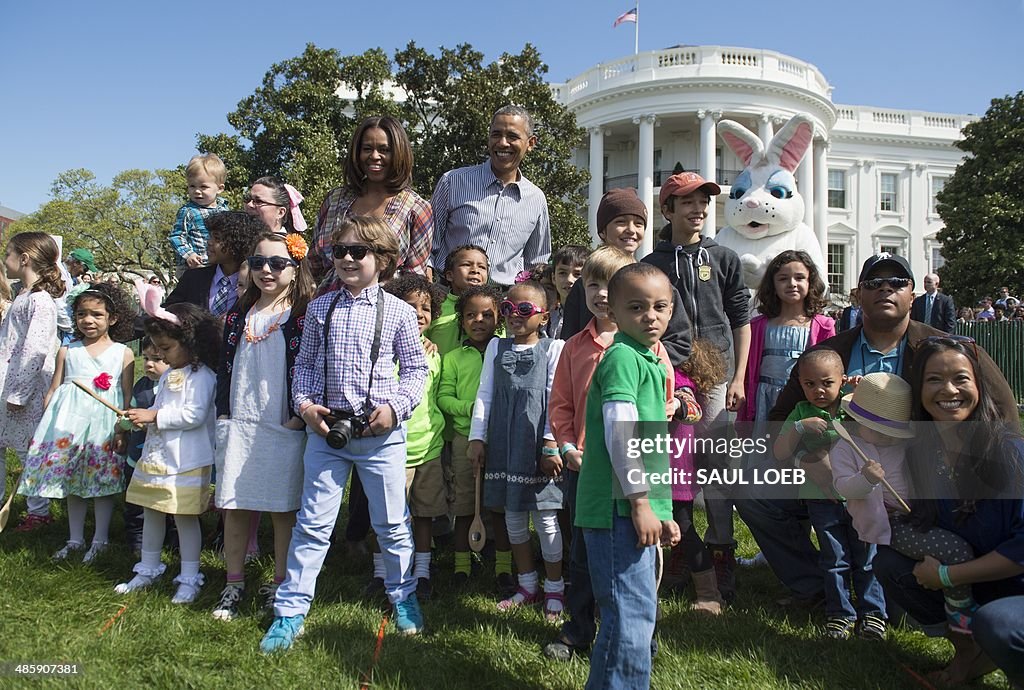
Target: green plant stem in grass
[56, 613]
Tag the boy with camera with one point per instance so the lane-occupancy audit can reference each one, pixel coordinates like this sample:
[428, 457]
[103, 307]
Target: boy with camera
[346, 390]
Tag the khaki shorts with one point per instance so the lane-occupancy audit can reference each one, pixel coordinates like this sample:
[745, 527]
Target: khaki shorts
[463, 482]
[425, 489]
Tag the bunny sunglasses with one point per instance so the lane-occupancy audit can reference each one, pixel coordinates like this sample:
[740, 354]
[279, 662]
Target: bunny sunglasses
[523, 309]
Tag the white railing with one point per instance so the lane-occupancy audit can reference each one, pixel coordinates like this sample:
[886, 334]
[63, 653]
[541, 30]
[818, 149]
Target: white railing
[857, 118]
[695, 62]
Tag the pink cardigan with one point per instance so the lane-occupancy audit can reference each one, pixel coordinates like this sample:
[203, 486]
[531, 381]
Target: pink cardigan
[822, 328]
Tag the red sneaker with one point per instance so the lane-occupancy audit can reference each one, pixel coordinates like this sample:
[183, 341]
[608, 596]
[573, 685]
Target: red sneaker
[31, 522]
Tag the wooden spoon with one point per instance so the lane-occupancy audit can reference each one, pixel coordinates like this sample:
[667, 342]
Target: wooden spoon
[477, 532]
[845, 435]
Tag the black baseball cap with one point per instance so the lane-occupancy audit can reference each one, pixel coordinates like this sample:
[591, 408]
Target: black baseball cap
[895, 261]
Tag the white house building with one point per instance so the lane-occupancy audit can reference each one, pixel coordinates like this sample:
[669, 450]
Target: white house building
[869, 181]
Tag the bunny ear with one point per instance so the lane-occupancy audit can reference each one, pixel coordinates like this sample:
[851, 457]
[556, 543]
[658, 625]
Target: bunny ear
[791, 143]
[741, 140]
[150, 297]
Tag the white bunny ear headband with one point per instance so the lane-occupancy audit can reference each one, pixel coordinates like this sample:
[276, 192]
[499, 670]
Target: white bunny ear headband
[150, 297]
[786, 149]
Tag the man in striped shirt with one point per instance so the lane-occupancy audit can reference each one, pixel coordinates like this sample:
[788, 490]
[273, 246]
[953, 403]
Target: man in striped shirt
[492, 205]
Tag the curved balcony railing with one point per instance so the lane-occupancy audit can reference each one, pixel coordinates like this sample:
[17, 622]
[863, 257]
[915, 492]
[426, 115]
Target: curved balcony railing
[694, 61]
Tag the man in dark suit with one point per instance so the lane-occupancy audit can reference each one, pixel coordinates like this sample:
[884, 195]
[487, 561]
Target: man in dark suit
[851, 315]
[933, 307]
[215, 287]
[884, 342]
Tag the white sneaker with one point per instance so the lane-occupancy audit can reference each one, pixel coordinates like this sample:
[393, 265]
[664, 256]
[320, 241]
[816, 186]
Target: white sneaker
[95, 550]
[68, 549]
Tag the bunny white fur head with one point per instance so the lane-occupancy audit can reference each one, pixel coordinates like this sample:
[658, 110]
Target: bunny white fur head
[764, 200]
[765, 211]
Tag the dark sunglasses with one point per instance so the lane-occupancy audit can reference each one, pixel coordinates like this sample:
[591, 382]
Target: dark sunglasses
[356, 251]
[277, 263]
[523, 309]
[894, 283]
[949, 341]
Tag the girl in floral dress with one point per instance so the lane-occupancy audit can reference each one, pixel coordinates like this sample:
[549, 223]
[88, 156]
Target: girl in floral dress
[73, 453]
[28, 345]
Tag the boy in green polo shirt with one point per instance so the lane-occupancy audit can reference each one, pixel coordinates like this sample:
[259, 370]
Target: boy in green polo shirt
[624, 516]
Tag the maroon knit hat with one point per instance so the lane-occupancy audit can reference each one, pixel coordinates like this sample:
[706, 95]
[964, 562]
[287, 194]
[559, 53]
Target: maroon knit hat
[620, 202]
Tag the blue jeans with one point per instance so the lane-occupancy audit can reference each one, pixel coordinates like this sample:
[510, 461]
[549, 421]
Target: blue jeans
[623, 579]
[998, 625]
[999, 630]
[842, 553]
[775, 526]
[380, 463]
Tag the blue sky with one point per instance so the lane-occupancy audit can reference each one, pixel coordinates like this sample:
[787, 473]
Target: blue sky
[116, 85]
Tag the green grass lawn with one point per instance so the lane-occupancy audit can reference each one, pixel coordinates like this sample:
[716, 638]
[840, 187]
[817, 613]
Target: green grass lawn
[63, 613]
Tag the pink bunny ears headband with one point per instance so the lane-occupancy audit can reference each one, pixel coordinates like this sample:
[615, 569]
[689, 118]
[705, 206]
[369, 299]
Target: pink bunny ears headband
[295, 198]
[150, 297]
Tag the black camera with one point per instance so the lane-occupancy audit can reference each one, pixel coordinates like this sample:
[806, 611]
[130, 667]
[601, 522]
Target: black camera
[343, 426]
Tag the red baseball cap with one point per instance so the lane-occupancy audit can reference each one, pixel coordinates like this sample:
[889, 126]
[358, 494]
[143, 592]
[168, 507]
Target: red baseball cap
[684, 183]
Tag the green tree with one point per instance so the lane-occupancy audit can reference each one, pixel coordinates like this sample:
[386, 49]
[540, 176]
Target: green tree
[125, 224]
[982, 206]
[298, 127]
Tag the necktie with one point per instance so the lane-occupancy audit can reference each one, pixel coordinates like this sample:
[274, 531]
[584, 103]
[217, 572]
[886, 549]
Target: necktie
[220, 300]
[928, 309]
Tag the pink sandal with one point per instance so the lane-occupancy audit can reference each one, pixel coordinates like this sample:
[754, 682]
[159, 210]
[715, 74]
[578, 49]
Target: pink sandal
[529, 598]
[551, 614]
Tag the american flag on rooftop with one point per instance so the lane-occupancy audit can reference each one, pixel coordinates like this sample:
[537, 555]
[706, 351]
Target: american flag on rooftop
[629, 16]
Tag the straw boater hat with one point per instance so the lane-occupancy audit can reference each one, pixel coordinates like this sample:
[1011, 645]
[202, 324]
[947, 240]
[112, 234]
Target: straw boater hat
[881, 401]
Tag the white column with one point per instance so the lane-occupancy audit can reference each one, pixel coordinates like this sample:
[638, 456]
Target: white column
[596, 180]
[645, 177]
[820, 151]
[708, 133]
[805, 176]
[916, 211]
[764, 129]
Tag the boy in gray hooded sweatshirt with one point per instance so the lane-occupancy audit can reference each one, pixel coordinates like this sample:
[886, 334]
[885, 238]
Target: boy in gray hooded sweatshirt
[709, 280]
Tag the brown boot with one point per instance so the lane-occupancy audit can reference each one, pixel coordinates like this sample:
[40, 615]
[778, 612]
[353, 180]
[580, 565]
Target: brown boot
[709, 600]
[676, 572]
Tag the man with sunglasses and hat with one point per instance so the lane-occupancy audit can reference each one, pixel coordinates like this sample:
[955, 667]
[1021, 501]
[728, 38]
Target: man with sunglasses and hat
[884, 341]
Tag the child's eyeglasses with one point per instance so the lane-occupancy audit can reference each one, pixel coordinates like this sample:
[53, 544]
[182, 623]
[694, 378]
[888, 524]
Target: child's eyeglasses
[248, 198]
[356, 251]
[894, 283]
[523, 309]
[949, 341]
[277, 263]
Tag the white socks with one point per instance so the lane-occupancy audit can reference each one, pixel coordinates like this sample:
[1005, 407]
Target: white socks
[421, 567]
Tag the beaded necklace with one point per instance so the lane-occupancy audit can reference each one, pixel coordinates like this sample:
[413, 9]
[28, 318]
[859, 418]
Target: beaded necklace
[252, 338]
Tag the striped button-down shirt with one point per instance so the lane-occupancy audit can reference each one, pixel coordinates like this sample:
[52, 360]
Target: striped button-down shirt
[348, 355]
[472, 206]
[190, 233]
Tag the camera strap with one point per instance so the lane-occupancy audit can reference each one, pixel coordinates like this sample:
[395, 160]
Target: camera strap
[374, 349]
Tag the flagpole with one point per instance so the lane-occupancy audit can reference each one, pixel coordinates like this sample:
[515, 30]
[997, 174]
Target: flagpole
[636, 30]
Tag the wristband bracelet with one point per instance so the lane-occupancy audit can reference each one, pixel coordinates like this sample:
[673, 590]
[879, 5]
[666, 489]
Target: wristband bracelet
[798, 457]
[567, 447]
[799, 426]
[549, 451]
[944, 577]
